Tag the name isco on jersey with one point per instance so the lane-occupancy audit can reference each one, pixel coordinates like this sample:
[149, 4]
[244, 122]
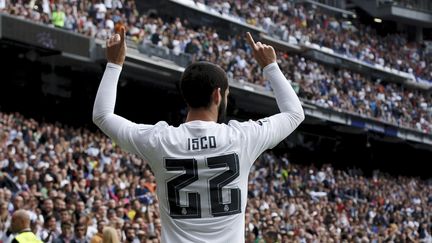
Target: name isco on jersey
[205, 142]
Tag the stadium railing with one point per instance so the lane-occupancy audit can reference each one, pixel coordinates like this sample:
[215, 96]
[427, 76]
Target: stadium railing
[181, 59]
[45, 37]
[200, 7]
[419, 5]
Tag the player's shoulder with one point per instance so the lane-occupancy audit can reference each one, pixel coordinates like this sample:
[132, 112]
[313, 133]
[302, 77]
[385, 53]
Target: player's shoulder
[158, 125]
[151, 132]
[162, 124]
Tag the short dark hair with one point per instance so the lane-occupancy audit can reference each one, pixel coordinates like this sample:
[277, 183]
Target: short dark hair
[198, 82]
[78, 225]
[66, 224]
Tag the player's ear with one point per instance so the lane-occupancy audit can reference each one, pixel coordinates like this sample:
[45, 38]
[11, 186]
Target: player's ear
[216, 96]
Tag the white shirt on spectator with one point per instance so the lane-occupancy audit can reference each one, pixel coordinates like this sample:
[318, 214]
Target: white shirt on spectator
[321, 176]
[103, 34]
[47, 235]
[317, 194]
[91, 231]
[108, 3]
[46, 7]
[109, 24]
[89, 27]
[241, 63]
[226, 7]
[4, 163]
[101, 10]
[176, 47]
[117, 4]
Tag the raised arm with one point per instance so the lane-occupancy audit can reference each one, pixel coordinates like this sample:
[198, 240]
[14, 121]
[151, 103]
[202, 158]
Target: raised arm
[286, 98]
[103, 109]
[274, 129]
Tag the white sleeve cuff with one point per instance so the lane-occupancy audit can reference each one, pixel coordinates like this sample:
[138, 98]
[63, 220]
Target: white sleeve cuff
[269, 68]
[113, 65]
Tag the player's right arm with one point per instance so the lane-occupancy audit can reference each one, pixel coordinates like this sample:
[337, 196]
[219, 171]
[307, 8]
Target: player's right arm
[268, 132]
[121, 130]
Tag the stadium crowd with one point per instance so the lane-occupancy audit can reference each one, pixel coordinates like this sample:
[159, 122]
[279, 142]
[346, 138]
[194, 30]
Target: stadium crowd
[342, 90]
[290, 21]
[75, 182]
[350, 38]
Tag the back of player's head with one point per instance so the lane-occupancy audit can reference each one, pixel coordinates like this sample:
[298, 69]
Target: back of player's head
[198, 82]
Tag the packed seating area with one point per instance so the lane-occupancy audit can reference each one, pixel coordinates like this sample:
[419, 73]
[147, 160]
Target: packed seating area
[342, 90]
[303, 24]
[74, 182]
[350, 38]
[356, 40]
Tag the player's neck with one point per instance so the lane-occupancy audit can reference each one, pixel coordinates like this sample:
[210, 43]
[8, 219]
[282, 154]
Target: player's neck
[202, 114]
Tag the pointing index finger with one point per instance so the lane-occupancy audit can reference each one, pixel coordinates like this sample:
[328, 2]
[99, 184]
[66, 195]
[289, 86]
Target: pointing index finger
[250, 40]
[122, 34]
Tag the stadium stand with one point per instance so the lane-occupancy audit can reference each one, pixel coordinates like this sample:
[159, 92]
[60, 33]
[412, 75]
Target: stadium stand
[303, 25]
[336, 89]
[76, 180]
[349, 37]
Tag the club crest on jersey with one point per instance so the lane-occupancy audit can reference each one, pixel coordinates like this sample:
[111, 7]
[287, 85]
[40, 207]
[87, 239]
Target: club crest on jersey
[262, 121]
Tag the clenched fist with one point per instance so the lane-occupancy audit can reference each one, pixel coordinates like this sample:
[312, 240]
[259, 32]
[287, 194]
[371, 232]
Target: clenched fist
[116, 48]
[264, 54]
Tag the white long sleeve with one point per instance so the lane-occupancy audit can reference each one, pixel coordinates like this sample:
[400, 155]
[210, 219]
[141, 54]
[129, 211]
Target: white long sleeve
[286, 97]
[268, 132]
[103, 109]
[265, 134]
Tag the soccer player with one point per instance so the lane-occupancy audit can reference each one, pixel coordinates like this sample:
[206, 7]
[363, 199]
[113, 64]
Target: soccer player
[202, 166]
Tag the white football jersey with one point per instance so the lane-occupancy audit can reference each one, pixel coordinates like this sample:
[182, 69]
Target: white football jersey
[201, 167]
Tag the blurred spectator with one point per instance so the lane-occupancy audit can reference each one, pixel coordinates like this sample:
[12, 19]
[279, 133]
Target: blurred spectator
[59, 16]
[110, 235]
[2, 5]
[131, 236]
[20, 226]
[98, 237]
[49, 231]
[101, 10]
[80, 234]
[66, 235]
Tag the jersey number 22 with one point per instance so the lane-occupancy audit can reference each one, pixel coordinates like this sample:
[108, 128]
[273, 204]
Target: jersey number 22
[189, 166]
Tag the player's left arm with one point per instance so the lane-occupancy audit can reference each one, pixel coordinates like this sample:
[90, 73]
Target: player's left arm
[268, 132]
[116, 127]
